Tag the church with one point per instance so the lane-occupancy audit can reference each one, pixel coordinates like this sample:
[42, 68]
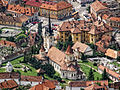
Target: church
[65, 63]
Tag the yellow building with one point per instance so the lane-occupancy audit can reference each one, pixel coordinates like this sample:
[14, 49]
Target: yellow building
[58, 10]
[82, 31]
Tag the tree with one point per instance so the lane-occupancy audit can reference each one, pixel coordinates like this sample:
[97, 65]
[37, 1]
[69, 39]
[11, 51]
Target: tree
[39, 28]
[0, 31]
[118, 58]
[10, 39]
[49, 69]
[59, 45]
[105, 75]
[24, 44]
[21, 36]
[83, 57]
[70, 42]
[91, 75]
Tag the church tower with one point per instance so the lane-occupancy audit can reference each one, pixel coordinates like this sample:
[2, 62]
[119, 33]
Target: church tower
[49, 36]
[42, 51]
[69, 54]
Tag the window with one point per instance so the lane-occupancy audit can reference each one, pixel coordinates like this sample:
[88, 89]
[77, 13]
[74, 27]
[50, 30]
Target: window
[76, 34]
[63, 74]
[76, 38]
[61, 36]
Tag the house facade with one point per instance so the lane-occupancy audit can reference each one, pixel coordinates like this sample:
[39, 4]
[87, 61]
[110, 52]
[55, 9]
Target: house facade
[12, 21]
[57, 10]
[83, 31]
[81, 48]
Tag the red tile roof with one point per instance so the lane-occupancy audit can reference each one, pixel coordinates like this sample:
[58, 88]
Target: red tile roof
[56, 6]
[31, 78]
[115, 19]
[10, 84]
[7, 43]
[111, 53]
[21, 10]
[7, 75]
[97, 5]
[109, 71]
[86, 83]
[45, 85]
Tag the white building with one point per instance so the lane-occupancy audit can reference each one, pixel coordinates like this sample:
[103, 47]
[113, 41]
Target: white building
[5, 76]
[112, 74]
[32, 80]
[79, 48]
[9, 67]
[64, 63]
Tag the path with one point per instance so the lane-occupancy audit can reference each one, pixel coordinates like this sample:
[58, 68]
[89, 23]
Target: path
[89, 67]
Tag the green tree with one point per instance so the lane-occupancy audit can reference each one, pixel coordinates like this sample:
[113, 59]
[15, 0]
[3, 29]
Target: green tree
[70, 42]
[83, 57]
[10, 39]
[91, 75]
[49, 69]
[59, 45]
[21, 36]
[118, 58]
[39, 28]
[24, 44]
[105, 75]
[0, 31]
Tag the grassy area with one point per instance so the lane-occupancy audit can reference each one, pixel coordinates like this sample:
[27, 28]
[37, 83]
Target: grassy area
[2, 69]
[89, 63]
[17, 66]
[16, 63]
[86, 70]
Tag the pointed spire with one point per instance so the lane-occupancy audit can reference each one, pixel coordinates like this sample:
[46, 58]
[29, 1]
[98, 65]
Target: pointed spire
[42, 49]
[69, 50]
[50, 29]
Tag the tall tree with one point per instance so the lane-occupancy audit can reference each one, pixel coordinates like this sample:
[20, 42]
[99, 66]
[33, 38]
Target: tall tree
[105, 75]
[40, 28]
[91, 75]
[49, 22]
[49, 69]
[69, 42]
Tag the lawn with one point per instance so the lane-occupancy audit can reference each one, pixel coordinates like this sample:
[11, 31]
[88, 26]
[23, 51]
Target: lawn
[2, 69]
[86, 70]
[16, 63]
[89, 63]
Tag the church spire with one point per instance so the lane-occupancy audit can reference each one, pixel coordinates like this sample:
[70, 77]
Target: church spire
[50, 29]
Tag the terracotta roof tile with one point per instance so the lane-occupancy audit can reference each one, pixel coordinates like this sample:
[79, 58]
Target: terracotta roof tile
[97, 5]
[109, 71]
[7, 75]
[86, 83]
[111, 53]
[45, 85]
[31, 78]
[21, 10]
[7, 43]
[80, 46]
[10, 84]
[115, 19]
